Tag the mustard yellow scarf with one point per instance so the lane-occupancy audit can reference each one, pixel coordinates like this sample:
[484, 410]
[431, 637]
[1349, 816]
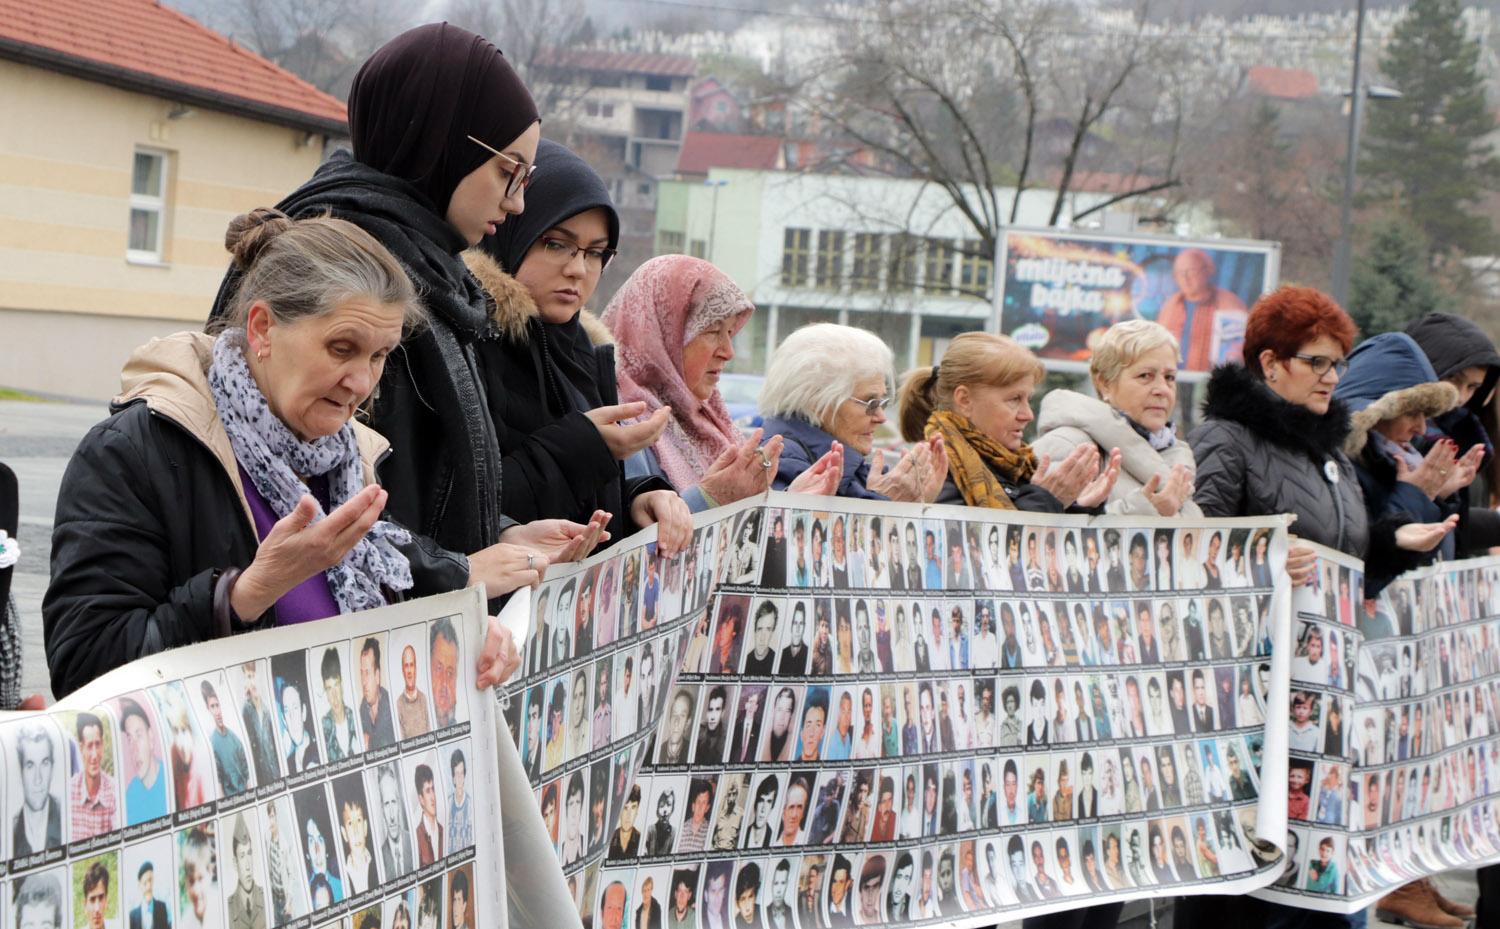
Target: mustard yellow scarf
[973, 458]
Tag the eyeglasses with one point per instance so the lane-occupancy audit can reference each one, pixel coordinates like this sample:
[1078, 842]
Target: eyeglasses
[520, 176]
[1321, 363]
[561, 251]
[873, 405]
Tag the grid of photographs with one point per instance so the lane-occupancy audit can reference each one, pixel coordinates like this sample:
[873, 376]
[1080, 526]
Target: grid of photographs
[846, 737]
[328, 785]
[1399, 764]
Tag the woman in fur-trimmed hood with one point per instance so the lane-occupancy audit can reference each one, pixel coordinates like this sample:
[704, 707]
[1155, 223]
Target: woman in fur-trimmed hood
[1392, 390]
[550, 375]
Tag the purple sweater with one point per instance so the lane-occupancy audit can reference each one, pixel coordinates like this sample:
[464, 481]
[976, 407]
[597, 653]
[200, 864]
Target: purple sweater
[311, 599]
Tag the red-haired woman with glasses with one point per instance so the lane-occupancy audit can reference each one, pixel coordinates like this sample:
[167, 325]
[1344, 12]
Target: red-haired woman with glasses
[1273, 442]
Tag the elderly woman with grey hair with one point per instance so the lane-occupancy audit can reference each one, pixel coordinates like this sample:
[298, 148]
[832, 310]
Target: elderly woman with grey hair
[826, 392]
[1134, 370]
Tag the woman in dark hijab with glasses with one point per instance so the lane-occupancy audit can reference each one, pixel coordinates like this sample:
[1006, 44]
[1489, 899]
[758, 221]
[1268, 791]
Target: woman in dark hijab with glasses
[550, 376]
[444, 135]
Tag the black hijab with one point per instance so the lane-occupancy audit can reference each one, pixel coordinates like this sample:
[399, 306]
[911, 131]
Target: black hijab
[563, 187]
[414, 104]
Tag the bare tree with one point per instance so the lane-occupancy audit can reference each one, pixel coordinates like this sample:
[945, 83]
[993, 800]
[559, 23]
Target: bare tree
[977, 95]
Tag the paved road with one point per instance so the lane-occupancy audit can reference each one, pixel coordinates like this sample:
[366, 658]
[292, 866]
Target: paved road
[36, 440]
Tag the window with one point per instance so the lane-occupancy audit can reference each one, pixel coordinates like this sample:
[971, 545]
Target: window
[830, 266]
[903, 268]
[939, 270]
[796, 248]
[643, 189]
[658, 82]
[974, 269]
[869, 251]
[591, 108]
[698, 248]
[607, 110]
[148, 206]
[669, 243]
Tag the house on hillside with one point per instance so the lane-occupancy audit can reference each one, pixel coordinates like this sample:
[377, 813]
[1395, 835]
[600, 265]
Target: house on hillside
[132, 136]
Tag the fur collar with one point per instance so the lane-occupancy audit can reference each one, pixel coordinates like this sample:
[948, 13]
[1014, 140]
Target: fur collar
[511, 306]
[513, 309]
[1432, 399]
[1236, 395]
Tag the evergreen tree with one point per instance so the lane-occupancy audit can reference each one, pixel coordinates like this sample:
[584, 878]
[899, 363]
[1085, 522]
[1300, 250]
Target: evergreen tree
[1391, 284]
[1427, 149]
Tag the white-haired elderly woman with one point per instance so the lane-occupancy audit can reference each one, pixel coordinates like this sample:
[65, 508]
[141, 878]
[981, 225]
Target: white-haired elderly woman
[826, 391]
[1134, 370]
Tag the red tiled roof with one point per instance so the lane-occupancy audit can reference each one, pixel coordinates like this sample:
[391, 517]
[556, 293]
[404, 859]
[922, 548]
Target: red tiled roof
[629, 62]
[704, 150]
[145, 46]
[1285, 83]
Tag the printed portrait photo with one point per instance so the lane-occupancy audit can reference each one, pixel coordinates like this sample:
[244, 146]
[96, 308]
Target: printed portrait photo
[286, 876]
[146, 883]
[93, 785]
[625, 693]
[664, 811]
[96, 892]
[376, 714]
[188, 755]
[242, 860]
[792, 660]
[209, 696]
[408, 647]
[333, 701]
[37, 765]
[426, 803]
[253, 701]
[36, 901]
[199, 893]
[319, 847]
[354, 825]
[299, 745]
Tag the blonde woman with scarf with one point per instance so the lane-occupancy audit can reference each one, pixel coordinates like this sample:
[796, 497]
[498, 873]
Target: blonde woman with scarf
[979, 400]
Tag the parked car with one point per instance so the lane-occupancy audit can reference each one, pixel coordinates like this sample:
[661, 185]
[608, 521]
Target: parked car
[741, 394]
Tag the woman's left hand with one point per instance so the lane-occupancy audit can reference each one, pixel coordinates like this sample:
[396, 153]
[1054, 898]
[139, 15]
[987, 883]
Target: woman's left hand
[559, 539]
[1463, 472]
[670, 514]
[933, 471]
[1095, 492]
[499, 658]
[743, 470]
[1301, 562]
[1424, 537]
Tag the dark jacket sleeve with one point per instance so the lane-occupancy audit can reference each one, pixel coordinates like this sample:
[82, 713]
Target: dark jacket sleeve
[434, 570]
[1384, 560]
[556, 471]
[1219, 482]
[112, 598]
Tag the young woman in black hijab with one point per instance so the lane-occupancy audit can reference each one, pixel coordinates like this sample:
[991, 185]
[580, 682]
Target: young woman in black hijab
[550, 376]
[445, 137]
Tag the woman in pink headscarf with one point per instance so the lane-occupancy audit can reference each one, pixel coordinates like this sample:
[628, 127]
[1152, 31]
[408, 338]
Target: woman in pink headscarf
[674, 323]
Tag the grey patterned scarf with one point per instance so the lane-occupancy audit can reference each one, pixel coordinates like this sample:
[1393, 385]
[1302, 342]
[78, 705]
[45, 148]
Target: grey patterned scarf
[273, 456]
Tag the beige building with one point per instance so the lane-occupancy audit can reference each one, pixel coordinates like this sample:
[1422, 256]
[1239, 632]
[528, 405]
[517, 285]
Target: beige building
[128, 140]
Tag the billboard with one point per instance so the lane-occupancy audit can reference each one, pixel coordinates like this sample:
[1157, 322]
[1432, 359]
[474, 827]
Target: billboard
[1061, 290]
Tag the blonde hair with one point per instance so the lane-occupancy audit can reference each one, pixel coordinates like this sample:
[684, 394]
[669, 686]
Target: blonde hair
[972, 358]
[1123, 344]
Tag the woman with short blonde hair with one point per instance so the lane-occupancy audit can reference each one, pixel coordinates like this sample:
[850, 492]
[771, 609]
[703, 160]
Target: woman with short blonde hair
[978, 400]
[1134, 370]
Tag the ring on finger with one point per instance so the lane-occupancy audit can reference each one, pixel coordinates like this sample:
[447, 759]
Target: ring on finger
[765, 460]
[530, 562]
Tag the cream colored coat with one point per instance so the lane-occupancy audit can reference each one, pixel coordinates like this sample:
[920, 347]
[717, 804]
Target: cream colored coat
[1069, 419]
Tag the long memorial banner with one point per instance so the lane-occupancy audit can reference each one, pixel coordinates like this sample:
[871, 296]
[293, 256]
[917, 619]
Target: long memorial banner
[344, 773]
[830, 712]
[1395, 714]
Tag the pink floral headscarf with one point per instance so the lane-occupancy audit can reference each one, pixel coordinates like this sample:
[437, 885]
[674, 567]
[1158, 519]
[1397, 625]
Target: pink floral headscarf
[667, 303]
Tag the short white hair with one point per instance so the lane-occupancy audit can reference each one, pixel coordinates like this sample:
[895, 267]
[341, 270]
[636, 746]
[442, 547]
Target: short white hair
[816, 368]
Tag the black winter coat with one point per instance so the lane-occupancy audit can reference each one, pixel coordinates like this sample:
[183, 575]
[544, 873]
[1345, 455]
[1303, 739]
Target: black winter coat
[1259, 455]
[148, 519]
[1452, 344]
[540, 413]
[444, 473]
